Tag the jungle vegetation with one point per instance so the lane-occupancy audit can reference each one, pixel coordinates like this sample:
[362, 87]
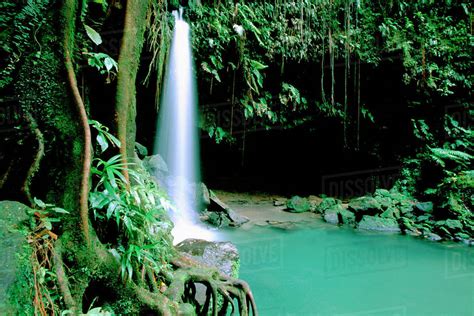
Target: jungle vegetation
[72, 78]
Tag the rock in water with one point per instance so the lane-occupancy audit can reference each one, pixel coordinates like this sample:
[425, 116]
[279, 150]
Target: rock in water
[348, 218]
[379, 224]
[12, 243]
[331, 216]
[222, 255]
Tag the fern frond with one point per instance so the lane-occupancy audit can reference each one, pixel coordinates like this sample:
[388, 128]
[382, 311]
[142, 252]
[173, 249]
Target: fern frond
[440, 155]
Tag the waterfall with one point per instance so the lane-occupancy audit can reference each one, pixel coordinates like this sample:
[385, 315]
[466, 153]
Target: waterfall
[177, 140]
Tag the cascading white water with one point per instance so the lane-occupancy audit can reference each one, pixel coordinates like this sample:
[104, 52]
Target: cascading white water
[177, 138]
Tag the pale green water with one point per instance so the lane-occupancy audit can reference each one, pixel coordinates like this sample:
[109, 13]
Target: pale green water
[326, 270]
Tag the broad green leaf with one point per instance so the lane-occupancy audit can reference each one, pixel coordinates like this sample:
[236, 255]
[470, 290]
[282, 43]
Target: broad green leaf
[102, 142]
[60, 210]
[39, 203]
[93, 35]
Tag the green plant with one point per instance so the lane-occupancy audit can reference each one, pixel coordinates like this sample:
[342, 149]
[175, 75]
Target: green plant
[140, 213]
[104, 137]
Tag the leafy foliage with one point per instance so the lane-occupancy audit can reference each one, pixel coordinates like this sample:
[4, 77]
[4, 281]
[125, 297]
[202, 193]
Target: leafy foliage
[140, 213]
[441, 172]
[235, 42]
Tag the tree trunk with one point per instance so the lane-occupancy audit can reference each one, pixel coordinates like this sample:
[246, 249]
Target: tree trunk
[128, 63]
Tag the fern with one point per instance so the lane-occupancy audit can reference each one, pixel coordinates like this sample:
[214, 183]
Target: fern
[440, 155]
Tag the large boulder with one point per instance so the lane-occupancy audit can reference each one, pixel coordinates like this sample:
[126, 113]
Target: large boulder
[14, 253]
[298, 204]
[222, 255]
[378, 224]
[226, 214]
[155, 163]
[347, 217]
[331, 216]
[365, 205]
[424, 207]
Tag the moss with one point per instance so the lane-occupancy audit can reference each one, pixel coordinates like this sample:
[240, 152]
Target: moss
[42, 91]
[128, 63]
[20, 294]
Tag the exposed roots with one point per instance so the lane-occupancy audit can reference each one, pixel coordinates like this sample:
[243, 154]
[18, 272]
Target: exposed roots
[191, 272]
[37, 159]
[62, 279]
[41, 242]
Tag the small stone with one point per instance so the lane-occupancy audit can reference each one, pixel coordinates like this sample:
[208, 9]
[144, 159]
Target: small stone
[433, 237]
[279, 202]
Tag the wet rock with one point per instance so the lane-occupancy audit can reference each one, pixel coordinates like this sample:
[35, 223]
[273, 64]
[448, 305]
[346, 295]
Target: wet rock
[279, 202]
[202, 195]
[454, 224]
[326, 204]
[141, 150]
[347, 217]
[298, 204]
[217, 206]
[424, 207]
[469, 242]
[281, 225]
[314, 201]
[365, 205]
[331, 216]
[155, 163]
[222, 255]
[406, 208]
[433, 237]
[378, 224]
[217, 219]
[12, 244]
[391, 212]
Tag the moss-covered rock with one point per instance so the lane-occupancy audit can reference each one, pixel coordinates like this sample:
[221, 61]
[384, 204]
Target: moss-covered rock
[15, 272]
[365, 205]
[391, 212]
[327, 203]
[378, 224]
[298, 204]
[347, 217]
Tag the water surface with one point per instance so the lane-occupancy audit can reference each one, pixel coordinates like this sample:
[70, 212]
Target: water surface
[326, 270]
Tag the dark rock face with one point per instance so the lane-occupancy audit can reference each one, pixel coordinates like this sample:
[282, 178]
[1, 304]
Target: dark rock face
[222, 255]
[378, 224]
[12, 242]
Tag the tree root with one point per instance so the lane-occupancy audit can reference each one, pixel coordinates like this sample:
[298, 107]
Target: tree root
[37, 159]
[62, 279]
[190, 272]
